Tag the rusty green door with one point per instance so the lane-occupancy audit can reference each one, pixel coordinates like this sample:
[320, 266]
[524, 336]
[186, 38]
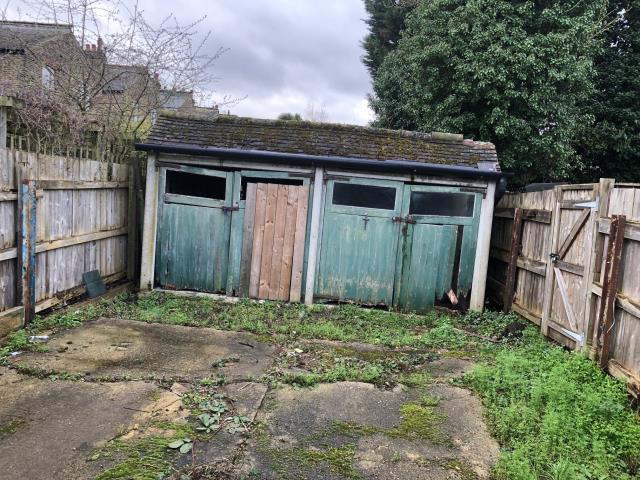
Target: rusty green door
[437, 251]
[359, 241]
[194, 223]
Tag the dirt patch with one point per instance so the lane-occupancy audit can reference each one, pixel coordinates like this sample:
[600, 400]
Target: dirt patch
[122, 349]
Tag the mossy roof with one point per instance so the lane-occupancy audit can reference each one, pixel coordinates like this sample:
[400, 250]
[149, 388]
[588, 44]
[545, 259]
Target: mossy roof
[323, 139]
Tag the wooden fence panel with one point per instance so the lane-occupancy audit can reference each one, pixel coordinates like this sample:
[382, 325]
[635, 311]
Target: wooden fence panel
[571, 223]
[82, 211]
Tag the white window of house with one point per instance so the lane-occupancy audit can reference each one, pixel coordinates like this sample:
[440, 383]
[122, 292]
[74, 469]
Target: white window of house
[48, 80]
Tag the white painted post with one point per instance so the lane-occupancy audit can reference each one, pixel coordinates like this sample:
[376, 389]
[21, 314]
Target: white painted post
[148, 259]
[316, 208]
[483, 246]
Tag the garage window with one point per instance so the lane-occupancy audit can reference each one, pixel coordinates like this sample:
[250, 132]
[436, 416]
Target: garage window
[442, 204]
[194, 185]
[367, 196]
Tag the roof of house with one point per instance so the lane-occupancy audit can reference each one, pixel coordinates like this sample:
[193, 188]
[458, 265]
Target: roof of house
[322, 139]
[18, 35]
[175, 99]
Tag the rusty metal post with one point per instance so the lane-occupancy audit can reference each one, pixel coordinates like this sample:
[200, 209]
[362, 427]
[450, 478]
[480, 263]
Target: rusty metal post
[610, 286]
[27, 248]
[514, 253]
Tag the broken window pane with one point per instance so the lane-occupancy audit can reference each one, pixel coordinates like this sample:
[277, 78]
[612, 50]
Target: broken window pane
[369, 196]
[441, 204]
[194, 185]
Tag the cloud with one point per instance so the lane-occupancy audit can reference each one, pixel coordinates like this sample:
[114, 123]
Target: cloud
[282, 54]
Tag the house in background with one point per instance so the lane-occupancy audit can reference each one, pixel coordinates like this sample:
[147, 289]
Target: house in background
[285, 210]
[39, 55]
[115, 102]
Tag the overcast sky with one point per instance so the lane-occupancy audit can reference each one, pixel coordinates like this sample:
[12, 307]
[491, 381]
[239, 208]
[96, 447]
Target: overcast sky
[283, 55]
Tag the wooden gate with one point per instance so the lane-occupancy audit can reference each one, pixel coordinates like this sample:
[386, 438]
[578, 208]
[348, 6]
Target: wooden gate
[567, 288]
[273, 241]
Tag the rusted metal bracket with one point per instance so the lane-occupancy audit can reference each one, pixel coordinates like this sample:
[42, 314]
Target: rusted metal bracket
[610, 286]
[514, 253]
[399, 219]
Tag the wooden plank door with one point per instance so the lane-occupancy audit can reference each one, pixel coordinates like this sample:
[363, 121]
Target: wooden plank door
[274, 235]
[438, 239]
[359, 241]
[194, 229]
[567, 286]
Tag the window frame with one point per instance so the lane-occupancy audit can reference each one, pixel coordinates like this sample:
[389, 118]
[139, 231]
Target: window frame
[48, 77]
[368, 211]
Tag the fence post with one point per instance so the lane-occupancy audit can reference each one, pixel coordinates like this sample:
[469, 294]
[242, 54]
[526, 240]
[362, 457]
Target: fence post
[27, 246]
[514, 253]
[602, 194]
[132, 221]
[3, 126]
[610, 285]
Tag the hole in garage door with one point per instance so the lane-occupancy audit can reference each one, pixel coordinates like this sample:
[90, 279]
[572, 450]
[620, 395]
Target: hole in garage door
[368, 196]
[277, 181]
[194, 185]
[441, 204]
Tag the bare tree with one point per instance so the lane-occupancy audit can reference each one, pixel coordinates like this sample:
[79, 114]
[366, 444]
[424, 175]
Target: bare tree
[115, 76]
[314, 113]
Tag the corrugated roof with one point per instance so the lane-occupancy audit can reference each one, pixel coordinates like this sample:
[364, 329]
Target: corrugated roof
[319, 139]
[18, 35]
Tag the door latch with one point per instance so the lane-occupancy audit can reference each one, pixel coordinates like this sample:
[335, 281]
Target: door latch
[403, 220]
[226, 209]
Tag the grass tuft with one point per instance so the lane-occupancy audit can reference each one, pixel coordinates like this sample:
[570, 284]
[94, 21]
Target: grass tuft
[556, 414]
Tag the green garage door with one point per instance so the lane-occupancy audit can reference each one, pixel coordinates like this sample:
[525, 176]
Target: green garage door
[438, 249]
[194, 229]
[385, 242]
[359, 241]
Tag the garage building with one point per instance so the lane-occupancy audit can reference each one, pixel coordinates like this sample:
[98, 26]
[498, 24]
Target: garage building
[291, 210]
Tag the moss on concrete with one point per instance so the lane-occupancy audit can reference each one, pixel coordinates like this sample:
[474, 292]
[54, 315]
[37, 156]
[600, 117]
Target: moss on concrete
[11, 427]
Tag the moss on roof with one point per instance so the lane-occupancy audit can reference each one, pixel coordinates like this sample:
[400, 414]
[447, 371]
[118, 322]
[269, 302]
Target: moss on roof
[331, 139]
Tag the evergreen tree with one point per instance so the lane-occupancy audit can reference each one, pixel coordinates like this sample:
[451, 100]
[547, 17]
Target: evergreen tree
[612, 147]
[386, 21]
[516, 73]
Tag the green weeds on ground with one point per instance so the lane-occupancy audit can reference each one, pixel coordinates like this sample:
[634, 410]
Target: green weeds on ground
[556, 415]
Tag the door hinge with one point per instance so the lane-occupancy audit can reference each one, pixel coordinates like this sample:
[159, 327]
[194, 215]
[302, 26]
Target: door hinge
[590, 204]
[226, 209]
[403, 220]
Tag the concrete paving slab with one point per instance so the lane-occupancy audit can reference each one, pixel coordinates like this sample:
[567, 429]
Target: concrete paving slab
[302, 423]
[123, 348]
[59, 423]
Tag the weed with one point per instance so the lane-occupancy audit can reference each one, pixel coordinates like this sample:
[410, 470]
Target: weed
[146, 458]
[11, 427]
[556, 414]
[418, 379]
[419, 422]
[300, 461]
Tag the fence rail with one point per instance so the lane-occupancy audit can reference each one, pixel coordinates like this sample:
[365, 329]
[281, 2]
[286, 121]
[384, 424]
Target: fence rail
[567, 260]
[59, 218]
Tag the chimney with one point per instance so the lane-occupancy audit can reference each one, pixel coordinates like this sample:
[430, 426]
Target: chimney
[100, 44]
[87, 46]
[93, 47]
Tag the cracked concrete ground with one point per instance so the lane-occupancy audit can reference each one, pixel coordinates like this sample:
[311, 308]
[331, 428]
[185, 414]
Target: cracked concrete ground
[134, 375]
